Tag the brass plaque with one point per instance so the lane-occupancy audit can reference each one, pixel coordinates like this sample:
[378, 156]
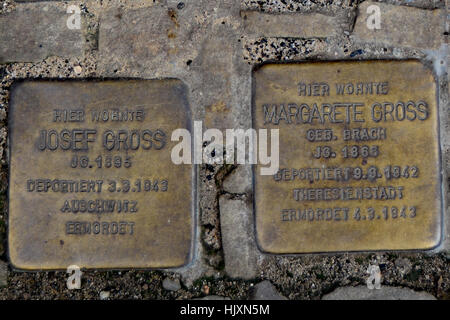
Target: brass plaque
[91, 178]
[359, 157]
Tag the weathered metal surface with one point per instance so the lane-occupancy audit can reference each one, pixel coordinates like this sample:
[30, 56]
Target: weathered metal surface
[359, 157]
[91, 180]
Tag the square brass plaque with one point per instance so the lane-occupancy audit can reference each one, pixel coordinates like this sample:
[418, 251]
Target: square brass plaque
[91, 178]
[359, 157]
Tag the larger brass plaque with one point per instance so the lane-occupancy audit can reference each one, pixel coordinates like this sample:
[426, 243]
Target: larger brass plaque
[359, 157]
[91, 180]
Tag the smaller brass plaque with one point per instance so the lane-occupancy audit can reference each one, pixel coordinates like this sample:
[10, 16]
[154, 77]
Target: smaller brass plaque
[359, 157]
[91, 178]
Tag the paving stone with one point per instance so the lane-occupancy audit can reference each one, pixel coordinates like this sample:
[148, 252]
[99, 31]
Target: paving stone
[35, 31]
[238, 237]
[157, 39]
[265, 291]
[204, 51]
[171, 285]
[385, 293]
[239, 180]
[198, 44]
[290, 25]
[402, 26]
[133, 37]
[425, 4]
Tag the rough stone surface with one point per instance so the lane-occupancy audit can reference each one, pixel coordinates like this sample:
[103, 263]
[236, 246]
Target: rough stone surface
[144, 33]
[238, 237]
[327, 5]
[385, 293]
[213, 55]
[311, 276]
[239, 180]
[171, 285]
[290, 25]
[213, 297]
[3, 274]
[104, 295]
[402, 26]
[286, 6]
[2, 236]
[404, 265]
[199, 44]
[265, 291]
[33, 32]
